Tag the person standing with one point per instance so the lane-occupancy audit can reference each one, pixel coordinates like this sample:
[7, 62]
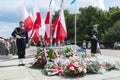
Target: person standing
[21, 36]
[84, 45]
[98, 48]
[89, 45]
[94, 39]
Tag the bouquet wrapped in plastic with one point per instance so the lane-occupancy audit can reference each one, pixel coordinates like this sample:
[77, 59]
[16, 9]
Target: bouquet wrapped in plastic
[75, 69]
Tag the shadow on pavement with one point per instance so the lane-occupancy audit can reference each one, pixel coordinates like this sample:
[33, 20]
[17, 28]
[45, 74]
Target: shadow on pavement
[113, 78]
[9, 58]
[8, 66]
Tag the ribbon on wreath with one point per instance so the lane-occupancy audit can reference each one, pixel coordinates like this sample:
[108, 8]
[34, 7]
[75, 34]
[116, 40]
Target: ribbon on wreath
[56, 70]
[56, 54]
[41, 62]
[45, 54]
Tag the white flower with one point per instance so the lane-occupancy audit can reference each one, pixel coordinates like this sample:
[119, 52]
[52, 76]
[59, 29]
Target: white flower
[84, 70]
[101, 71]
[85, 64]
[117, 65]
[47, 69]
[65, 62]
[72, 68]
[90, 63]
[57, 60]
[49, 73]
[76, 64]
[80, 69]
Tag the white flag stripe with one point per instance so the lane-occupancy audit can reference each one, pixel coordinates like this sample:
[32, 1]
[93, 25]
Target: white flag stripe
[25, 14]
[47, 30]
[63, 20]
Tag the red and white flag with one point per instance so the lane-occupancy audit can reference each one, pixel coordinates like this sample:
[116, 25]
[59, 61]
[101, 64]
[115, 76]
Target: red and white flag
[37, 24]
[48, 29]
[60, 27]
[28, 22]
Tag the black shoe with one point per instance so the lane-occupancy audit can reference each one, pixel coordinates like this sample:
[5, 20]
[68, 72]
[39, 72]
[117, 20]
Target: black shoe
[19, 64]
[22, 64]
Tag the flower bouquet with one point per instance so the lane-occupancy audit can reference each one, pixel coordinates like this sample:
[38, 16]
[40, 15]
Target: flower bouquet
[41, 59]
[66, 52]
[114, 65]
[50, 54]
[53, 69]
[68, 62]
[93, 64]
[92, 67]
[75, 69]
[39, 51]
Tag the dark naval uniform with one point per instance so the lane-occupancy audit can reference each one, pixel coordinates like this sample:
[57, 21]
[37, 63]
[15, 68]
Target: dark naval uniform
[94, 40]
[21, 36]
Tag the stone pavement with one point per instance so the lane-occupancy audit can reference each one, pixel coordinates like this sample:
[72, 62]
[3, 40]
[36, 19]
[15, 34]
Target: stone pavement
[9, 69]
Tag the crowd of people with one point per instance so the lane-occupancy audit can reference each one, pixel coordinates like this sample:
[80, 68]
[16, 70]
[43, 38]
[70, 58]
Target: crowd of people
[7, 47]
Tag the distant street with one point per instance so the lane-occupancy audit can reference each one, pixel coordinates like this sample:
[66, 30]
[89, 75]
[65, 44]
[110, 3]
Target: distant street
[110, 52]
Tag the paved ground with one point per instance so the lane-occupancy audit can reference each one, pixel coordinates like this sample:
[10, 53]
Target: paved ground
[10, 71]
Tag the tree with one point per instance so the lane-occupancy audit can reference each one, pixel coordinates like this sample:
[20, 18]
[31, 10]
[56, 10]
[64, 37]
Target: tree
[113, 15]
[70, 26]
[113, 33]
[89, 16]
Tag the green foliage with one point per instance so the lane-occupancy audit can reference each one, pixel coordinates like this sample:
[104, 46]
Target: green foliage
[70, 21]
[50, 54]
[66, 52]
[113, 33]
[93, 68]
[113, 16]
[77, 73]
[38, 53]
[88, 17]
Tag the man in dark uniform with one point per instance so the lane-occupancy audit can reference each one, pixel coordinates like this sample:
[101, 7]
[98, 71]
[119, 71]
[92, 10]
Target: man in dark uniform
[94, 39]
[21, 36]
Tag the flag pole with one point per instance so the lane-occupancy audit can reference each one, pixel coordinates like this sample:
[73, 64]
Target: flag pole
[75, 29]
[75, 40]
[75, 23]
[51, 35]
[50, 23]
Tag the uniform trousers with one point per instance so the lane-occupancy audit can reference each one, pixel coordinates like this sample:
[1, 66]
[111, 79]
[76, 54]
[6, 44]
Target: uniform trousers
[93, 46]
[21, 45]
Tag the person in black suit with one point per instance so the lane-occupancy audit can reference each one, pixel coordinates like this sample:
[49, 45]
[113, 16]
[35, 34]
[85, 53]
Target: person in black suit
[94, 39]
[21, 36]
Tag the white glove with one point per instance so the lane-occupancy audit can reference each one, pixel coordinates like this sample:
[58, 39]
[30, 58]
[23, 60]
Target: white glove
[26, 45]
[18, 36]
[94, 36]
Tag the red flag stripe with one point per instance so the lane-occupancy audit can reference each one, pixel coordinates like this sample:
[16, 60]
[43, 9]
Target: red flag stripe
[37, 24]
[48, 30]
[60, 27]
[28, 24]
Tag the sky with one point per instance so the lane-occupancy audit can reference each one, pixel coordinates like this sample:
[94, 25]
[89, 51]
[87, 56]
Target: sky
[11, 10]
